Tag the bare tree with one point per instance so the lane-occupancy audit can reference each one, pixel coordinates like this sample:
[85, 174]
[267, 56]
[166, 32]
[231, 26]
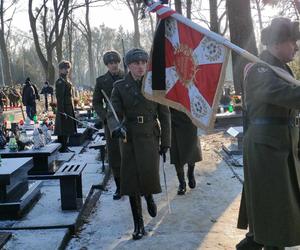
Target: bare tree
[135, 7]
[188, 8]
[241, 34]
[5, 24]
[290, 8]
[214, 20]
[85, 29]
[52, 32]
[178, 6]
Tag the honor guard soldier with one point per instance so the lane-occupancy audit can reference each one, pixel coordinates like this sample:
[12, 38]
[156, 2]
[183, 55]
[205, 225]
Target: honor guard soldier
[105, 83]
[271, 161]
[185, 148]
[65, 126]
[145, 130]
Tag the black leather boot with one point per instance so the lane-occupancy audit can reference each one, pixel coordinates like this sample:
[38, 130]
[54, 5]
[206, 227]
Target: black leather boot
[182, 184]
[136, 208]
[190, 175]
[248, 243]
[152, 208]
[117, 195]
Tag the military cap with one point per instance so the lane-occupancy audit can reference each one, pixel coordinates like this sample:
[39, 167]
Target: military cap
[135, 55]
[280, 30]
[111, 56]
[64, 64]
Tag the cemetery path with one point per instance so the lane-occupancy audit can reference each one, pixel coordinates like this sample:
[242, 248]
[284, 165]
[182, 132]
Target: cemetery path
[204, 218]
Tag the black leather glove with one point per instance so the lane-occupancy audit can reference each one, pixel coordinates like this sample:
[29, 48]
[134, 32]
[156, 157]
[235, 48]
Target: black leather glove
[119, 132]
[64, 115]
[163, 151]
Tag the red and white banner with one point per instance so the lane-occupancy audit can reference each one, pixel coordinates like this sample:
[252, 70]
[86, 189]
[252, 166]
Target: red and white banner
[187, 68]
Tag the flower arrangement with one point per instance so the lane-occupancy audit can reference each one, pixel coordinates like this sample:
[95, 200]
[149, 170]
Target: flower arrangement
[53, 105]
[236, 99]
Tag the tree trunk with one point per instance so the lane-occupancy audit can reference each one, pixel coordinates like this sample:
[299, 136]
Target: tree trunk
[70, 39]
[59, 39]
[89, 41]
[137, 35]
[5, 61]
[3, 46]
[241, 34]
[297, 5]
[188, 8]
[178, 6]
[50, 73]
[48, 32]
[214, 20]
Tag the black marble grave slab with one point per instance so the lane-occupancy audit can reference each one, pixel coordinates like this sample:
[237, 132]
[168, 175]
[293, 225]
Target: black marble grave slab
[13, 178]
[16, 194]
[43, 158]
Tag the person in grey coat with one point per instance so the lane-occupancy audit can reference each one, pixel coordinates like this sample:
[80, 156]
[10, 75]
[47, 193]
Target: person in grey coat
[185, 148]
[65, 126]
[271, 144]
[105, 83]
[145, 130]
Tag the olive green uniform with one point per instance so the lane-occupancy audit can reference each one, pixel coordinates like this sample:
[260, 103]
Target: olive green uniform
[148, 125]
[105, 83]
[185, 143]
[64, 92]
[271, 161]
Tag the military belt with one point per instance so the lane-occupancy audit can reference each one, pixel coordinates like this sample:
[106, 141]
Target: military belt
[140, 119]
[279, 121]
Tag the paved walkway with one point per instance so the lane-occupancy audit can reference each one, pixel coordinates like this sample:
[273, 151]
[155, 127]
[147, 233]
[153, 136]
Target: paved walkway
[204, 218]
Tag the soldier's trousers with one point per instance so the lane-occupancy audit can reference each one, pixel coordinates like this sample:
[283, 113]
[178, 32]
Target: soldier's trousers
[180, 168]
[63, 140]
[114, 153]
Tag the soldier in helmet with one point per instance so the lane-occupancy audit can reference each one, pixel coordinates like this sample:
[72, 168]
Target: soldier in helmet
[64, 125]
[145, 131]
[105, 83]
[271, 144]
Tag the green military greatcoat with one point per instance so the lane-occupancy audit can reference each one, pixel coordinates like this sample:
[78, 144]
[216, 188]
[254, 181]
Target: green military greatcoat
[271, 162]
[185, 144]
[64, 92]
[148, 125]
[105, 83]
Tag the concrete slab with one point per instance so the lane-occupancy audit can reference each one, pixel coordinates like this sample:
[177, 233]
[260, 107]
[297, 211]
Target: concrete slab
[49, 204]
[64, 156]
[36, 239]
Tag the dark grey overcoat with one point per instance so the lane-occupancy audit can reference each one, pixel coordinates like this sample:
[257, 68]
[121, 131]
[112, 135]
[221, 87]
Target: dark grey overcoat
[105, 83]
[185, 143]
[271, 162]
[148, 125]
[64, 92]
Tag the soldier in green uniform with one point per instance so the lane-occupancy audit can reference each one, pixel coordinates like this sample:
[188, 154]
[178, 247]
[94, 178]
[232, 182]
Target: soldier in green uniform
[105, 83]
[147, 126]
[64, 125]
[185, 148]
[271, 161]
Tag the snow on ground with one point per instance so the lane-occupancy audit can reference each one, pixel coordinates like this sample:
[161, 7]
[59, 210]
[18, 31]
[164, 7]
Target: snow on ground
[205, 218]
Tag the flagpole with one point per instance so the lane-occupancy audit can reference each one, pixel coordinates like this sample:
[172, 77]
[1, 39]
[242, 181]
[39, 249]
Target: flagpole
[153, 7]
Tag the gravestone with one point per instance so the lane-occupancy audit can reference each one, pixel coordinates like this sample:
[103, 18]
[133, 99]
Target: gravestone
[235, 148]
[16, 194]
[43, 158]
